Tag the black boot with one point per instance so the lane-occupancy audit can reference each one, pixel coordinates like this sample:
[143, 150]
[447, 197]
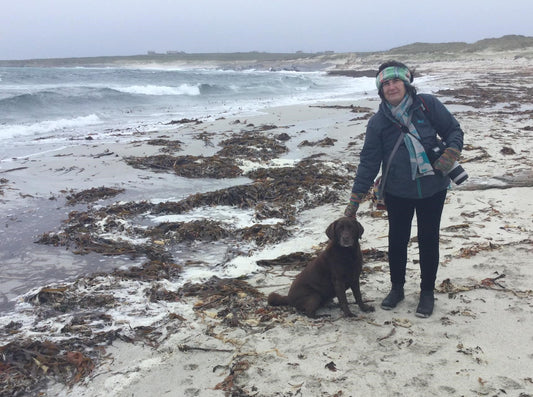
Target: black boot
[425, 305]
[394, 297]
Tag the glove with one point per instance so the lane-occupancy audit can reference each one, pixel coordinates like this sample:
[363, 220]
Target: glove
[351, 210]
[353, 206]
[446, 161]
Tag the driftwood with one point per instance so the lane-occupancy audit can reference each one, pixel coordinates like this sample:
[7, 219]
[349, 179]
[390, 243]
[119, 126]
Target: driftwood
[507, 184]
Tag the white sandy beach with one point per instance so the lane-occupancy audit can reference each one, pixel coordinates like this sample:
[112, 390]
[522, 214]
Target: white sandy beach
[477, 342]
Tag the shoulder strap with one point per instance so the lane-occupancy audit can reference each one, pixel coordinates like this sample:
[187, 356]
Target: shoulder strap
[424, 105]
[425, 109]
[394, 150]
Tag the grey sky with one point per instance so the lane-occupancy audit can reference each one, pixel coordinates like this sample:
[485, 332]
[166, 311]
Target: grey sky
[75, 28]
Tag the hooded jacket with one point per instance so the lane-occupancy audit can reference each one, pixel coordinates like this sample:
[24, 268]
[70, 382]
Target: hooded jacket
[432, 120]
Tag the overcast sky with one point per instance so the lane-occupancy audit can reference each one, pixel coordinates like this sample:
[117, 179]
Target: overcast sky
[77, 28]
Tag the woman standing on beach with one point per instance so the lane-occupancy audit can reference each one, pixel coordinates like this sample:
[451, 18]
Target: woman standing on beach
[407, 125]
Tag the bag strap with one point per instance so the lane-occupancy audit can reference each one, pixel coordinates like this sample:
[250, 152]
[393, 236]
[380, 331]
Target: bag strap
[394, 150]
[424, 105]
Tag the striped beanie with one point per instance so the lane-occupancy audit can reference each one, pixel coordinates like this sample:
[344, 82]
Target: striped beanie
[393, 72]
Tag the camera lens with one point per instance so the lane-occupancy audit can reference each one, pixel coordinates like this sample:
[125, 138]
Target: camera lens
[458, 174]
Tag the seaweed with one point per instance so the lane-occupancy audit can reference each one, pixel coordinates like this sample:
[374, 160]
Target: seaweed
[168, 145]
[199, 230]
[292, 261]
[499, 91]
[64, 299]
[236, 302]
[265, 234]
[322, 143]
[27, 365]
[491, 283]
[253, 146]
[150, 271]
[184, 121]
[188, 166]
[93, 194]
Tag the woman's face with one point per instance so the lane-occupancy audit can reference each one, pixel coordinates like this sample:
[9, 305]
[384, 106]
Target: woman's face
[394, 91]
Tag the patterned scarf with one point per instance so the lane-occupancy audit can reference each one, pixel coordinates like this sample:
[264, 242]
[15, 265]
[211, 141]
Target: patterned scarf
[420, 165]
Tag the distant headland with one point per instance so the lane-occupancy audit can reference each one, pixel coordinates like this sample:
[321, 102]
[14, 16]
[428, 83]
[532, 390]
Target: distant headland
[301, 61]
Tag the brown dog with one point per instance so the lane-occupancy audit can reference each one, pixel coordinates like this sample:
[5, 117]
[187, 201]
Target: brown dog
[335, 270]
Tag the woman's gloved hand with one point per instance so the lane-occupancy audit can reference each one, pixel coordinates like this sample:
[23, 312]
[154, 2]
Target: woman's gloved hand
[446, 161]
[353, 206]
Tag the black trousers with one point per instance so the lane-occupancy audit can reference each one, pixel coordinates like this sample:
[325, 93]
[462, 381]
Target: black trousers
[428, 214]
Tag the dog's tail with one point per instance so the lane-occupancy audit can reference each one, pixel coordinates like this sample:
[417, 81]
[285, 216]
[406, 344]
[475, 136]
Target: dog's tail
[275, 299]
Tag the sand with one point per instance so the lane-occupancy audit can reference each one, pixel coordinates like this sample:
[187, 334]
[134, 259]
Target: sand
[477, 342]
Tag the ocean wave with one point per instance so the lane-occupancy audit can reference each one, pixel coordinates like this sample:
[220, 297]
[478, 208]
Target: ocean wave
[47, 126]
[25, 100]
[62, 98]
[208, 89]
[183, 89]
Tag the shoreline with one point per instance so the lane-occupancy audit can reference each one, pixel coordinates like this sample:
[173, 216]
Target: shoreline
[211, 339]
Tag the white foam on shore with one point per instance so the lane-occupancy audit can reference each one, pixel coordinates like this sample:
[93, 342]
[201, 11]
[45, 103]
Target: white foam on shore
[236, 217]
[47, 126]
[26, 155]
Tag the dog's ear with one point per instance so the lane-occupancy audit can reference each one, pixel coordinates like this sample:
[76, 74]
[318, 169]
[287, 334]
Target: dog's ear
[360, 229]
[330, 231]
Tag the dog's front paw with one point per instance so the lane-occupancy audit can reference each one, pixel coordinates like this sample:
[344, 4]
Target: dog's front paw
[367, 308]
[348, 313]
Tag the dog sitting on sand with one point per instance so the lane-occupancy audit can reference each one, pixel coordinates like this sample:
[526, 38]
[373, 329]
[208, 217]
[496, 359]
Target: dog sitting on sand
[335, 270]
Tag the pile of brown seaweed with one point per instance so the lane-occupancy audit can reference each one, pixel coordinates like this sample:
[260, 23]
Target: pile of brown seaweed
[27, 365]
[92, 195]
[321, 143]
[168, 145]
[188, 166]
[237, 302]
[252, 145]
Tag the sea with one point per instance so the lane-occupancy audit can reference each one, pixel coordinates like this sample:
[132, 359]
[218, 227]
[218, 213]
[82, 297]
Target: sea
[43, 108]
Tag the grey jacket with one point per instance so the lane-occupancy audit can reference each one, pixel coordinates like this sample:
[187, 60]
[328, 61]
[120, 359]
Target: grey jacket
[431, 119]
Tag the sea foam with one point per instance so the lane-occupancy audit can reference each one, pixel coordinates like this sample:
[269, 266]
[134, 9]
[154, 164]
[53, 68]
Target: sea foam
[183, 89]
[47, 126]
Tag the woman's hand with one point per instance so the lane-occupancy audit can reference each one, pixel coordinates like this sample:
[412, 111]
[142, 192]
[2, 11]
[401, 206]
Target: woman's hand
[446, 161]
[353, 206]
[351, 210]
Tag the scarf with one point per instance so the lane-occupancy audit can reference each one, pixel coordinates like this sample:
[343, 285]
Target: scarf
[420, 165]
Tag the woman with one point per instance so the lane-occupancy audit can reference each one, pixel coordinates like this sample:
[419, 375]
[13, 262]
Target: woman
[413, 184]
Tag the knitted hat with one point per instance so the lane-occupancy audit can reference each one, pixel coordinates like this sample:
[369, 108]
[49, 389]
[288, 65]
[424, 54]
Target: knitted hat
[393, 72]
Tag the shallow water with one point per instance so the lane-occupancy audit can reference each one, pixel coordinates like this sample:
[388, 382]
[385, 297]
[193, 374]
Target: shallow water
[26, 264]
